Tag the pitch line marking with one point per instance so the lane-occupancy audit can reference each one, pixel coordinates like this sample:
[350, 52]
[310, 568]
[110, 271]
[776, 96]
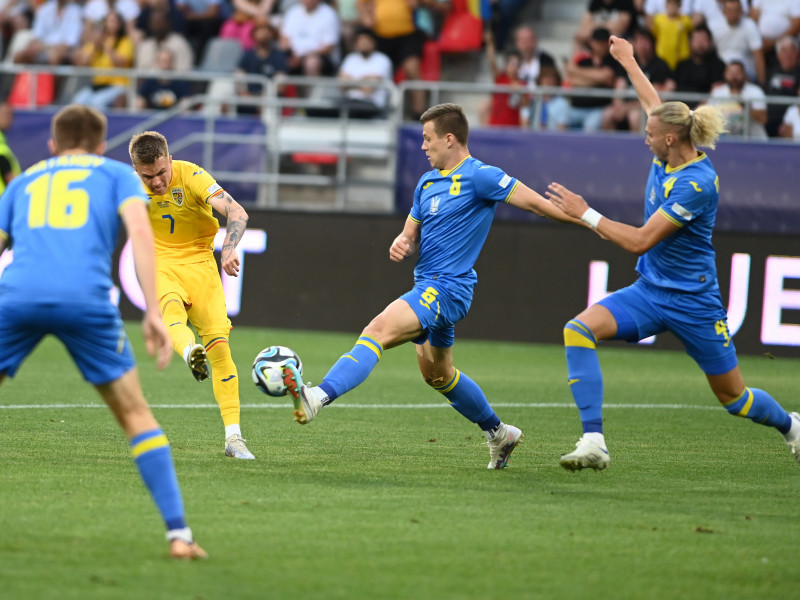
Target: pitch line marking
[283, 406]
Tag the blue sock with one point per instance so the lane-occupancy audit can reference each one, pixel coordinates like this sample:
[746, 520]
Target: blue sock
[353, 368]
[758, 406]
[468, 398]
[151, 453]
[584, 375]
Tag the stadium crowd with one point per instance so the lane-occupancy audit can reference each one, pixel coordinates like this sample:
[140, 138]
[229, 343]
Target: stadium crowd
[724, 49]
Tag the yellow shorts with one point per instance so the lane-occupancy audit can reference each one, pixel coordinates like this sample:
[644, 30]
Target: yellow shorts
[199, 287]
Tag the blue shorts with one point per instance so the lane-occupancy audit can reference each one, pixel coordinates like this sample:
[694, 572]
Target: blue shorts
[699, 321]
[439, 304]
[93, 334]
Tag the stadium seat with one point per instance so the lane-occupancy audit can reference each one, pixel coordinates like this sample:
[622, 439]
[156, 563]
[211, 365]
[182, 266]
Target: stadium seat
[20, 95]
[221, 56]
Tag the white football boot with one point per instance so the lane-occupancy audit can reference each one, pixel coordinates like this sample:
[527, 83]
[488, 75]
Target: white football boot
[501, 444]
[235, 448]
[590, 453]
[793, 436]
[307, 400]
[195, 357]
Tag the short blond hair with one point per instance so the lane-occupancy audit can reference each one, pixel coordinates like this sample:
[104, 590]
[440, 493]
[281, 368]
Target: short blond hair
[699, 127]
[147, 147]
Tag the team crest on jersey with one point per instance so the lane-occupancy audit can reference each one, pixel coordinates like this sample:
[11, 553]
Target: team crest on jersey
[435, 205]
[652, 195]
[177, 196]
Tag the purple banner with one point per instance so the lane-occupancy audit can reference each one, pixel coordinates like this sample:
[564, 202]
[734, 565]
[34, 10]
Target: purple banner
[758, 181]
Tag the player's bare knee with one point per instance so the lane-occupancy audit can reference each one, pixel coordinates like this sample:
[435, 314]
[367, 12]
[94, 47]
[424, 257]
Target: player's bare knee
[435, 381]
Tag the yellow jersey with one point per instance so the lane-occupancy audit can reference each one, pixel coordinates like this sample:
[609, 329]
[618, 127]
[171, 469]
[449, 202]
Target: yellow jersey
[183, 222]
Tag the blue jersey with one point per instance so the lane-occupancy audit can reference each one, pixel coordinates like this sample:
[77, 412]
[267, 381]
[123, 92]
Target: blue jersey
[455, 210]
[688, 197]
[62, 217]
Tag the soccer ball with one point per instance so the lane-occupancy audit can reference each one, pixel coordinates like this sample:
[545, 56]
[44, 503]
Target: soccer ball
[267, 369]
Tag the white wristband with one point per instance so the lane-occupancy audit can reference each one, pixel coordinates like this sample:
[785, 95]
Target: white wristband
[591, 217]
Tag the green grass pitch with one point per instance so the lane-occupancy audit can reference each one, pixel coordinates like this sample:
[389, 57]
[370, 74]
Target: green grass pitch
[387, 495]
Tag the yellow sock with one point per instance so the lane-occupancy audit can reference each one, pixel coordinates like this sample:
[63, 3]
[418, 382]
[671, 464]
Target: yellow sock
[224, 376]
[174, 316]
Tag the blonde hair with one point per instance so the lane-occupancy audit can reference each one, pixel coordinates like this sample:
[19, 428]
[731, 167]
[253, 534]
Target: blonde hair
[699, 127]
[147, 147]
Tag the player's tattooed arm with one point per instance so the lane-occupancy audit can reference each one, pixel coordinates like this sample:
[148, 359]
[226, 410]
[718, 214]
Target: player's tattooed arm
[236, 224]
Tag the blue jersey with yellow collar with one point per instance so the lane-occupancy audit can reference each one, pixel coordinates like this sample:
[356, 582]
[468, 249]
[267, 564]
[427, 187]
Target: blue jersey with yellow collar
[688, 196]
[62, 218]
[455, 210]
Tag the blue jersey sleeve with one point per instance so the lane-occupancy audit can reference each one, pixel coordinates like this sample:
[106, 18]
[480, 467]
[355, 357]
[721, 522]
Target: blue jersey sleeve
[687, 200]
[492, 183]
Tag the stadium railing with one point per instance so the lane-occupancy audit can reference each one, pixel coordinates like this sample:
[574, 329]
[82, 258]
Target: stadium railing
[311, 141]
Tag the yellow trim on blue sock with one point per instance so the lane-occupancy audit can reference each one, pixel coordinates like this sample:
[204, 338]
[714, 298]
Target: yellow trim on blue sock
[372, 345]
[574, 338]
[158, 441]
[449, 386]
[747, 405]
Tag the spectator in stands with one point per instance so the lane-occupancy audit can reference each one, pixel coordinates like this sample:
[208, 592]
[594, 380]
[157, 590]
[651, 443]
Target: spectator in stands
[626, 114]
[618, 16]
[742, 118]
[203, 20]
[108, 46]
[775, 19]
[264, 58]
[503, 109]
[790, 128]
[161, 36]
[548, 106]
[366, 63]
[148, 7]
[651, 8]
[310, 34]
[702, 12]
[164, 91]
[57, 28]
[246, 13]
[783, 80]
[599, 71]
[737, 38]
[671, 30]
[95, 11]
[503, 16]
[533, 60]
[15, 15]
[399, 39]
[703, 69]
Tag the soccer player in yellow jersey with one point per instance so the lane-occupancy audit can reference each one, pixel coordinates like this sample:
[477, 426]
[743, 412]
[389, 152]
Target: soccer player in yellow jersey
[183, 197]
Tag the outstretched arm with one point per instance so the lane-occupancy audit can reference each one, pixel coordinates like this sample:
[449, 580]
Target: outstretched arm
[637, 240]
[527, 199]
[405, 244]
[622, 51]
[236, 216]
